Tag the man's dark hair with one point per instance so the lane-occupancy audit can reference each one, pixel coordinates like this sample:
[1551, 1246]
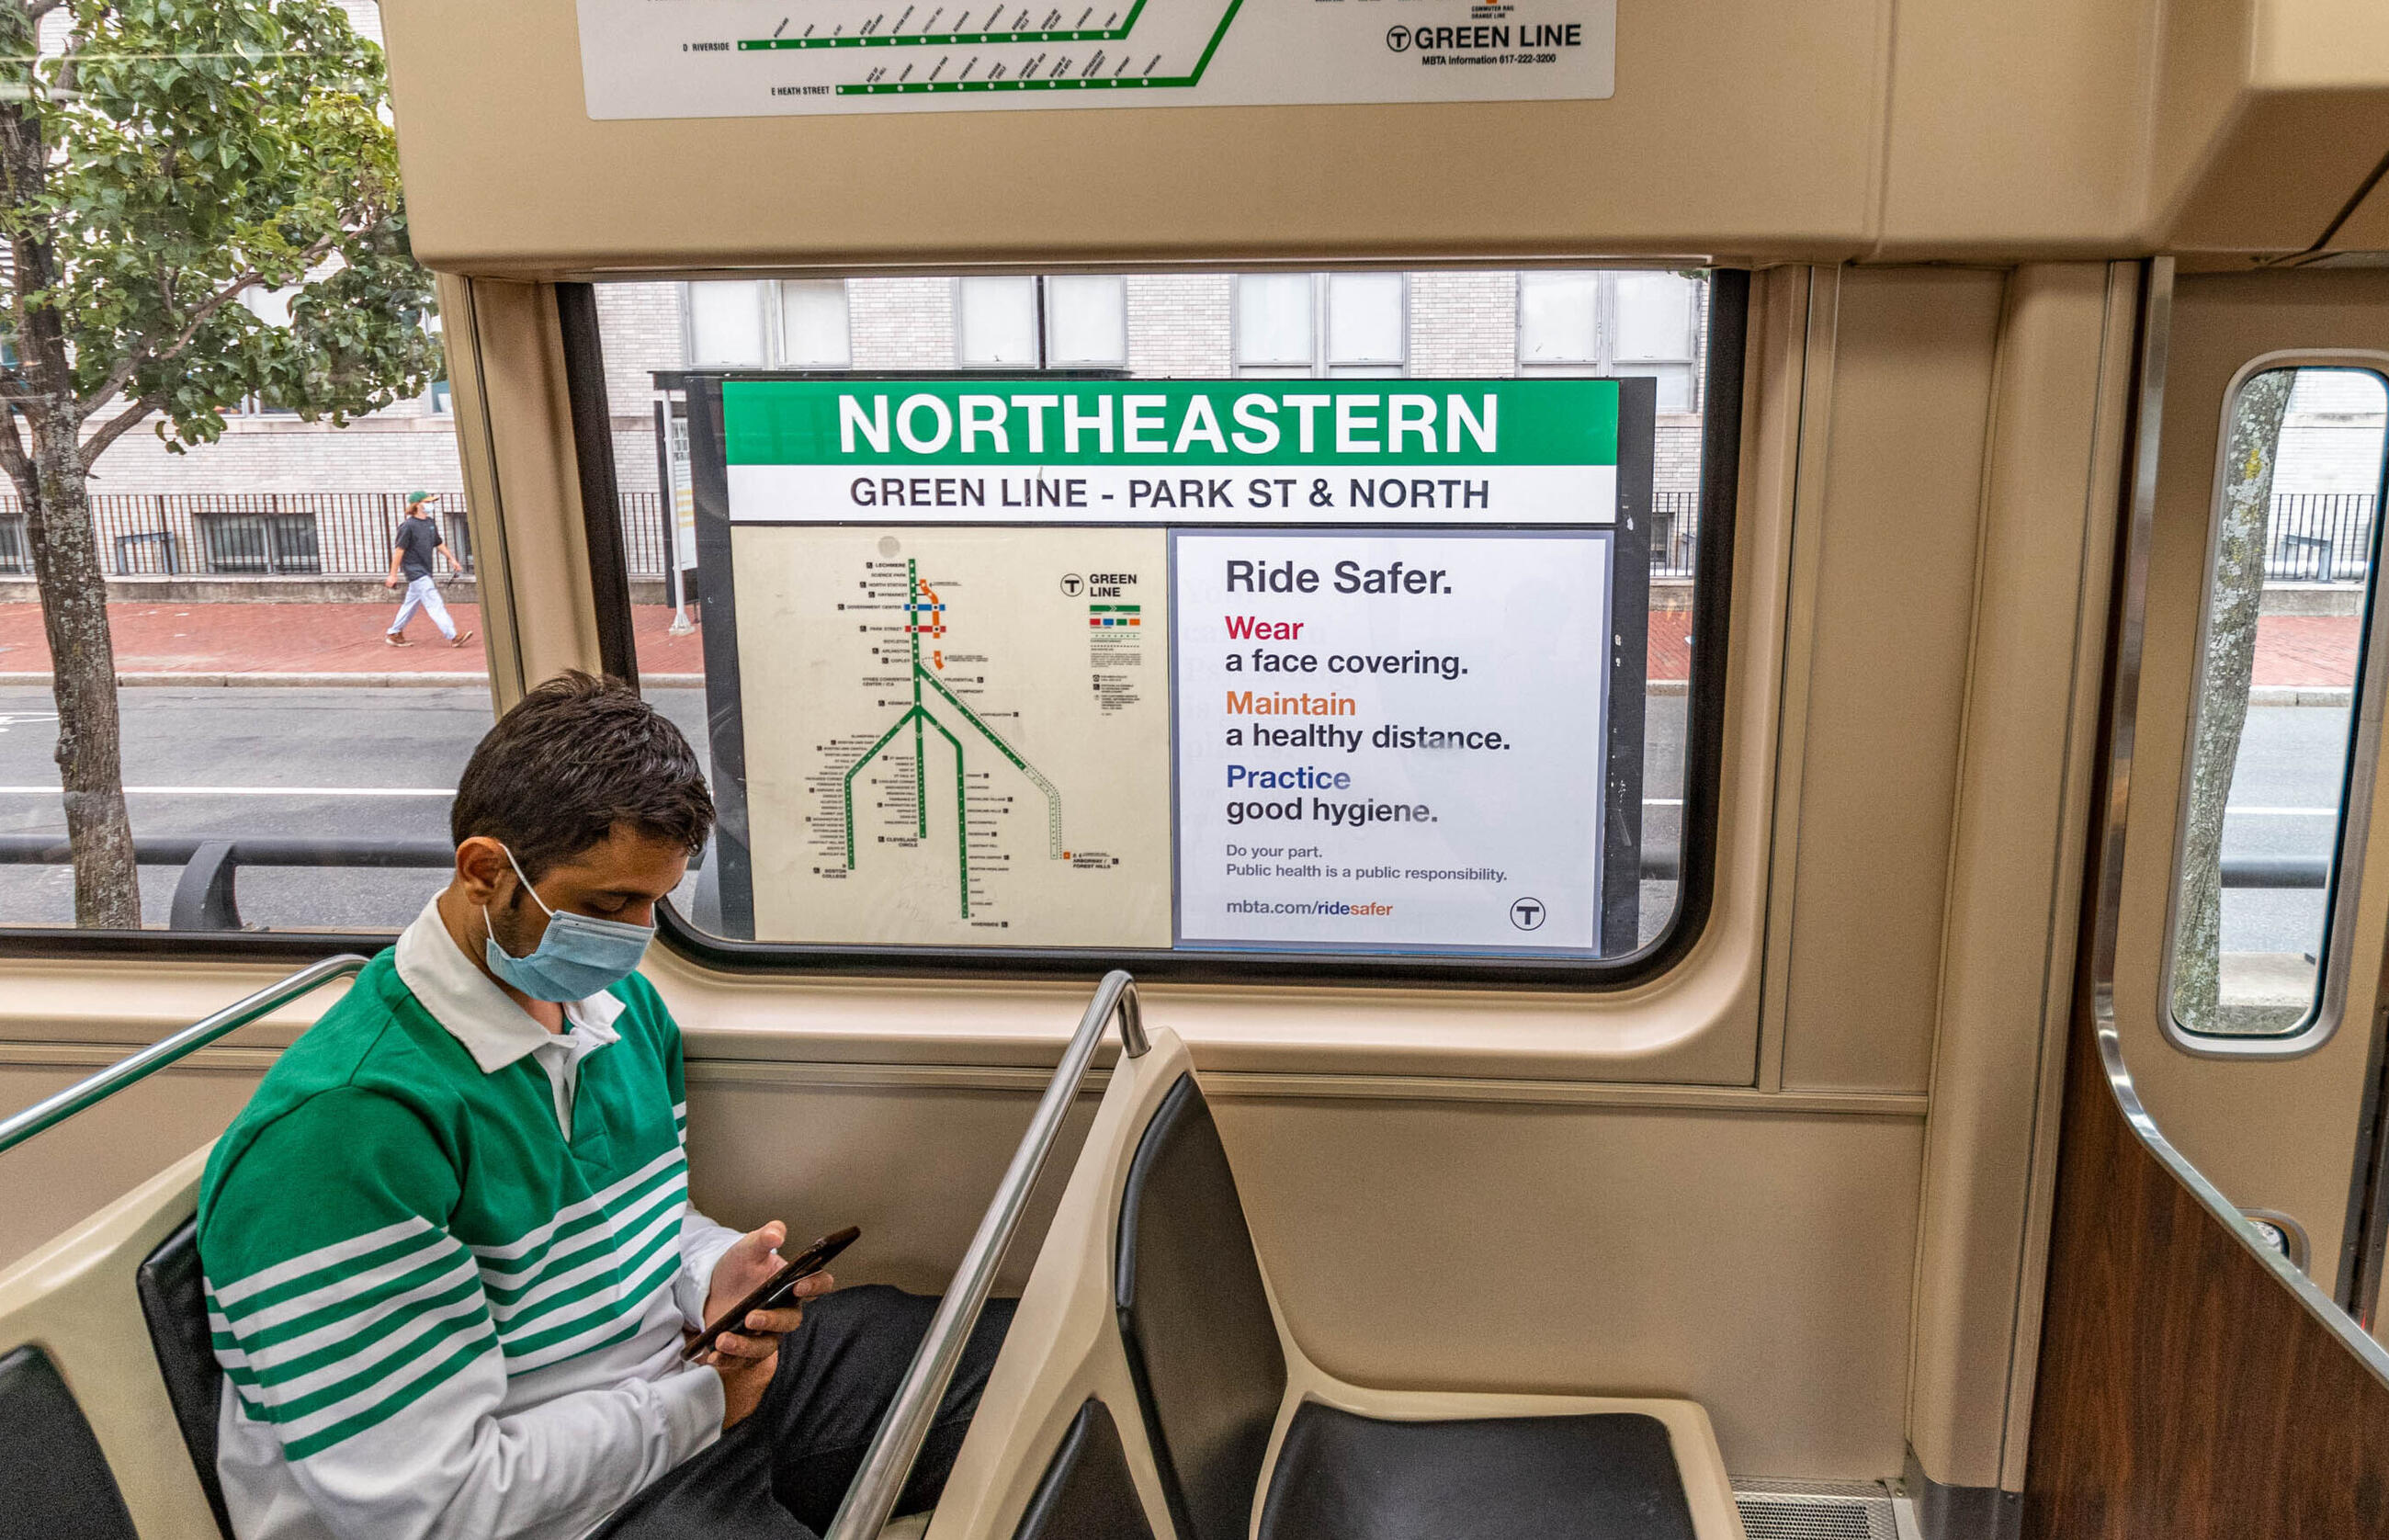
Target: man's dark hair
[574, 758]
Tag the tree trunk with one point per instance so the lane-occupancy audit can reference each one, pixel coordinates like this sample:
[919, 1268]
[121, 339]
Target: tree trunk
[2224, 679]
[65, 551]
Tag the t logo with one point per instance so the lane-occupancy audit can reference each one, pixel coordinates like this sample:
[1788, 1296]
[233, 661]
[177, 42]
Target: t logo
[1072, 585]
[1527, 914]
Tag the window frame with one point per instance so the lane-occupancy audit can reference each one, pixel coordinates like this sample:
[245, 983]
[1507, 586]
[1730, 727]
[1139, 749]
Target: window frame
[2358, 775]
[1697, 838]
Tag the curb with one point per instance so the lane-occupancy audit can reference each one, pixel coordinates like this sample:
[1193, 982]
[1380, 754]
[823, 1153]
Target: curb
[426, 678]
[2342, 695]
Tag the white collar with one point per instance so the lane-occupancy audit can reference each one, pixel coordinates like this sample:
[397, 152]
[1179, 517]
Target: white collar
[494, 1030]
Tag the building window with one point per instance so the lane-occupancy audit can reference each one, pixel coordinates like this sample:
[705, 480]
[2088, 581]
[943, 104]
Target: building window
[812, 324]
[995, 324]
[1081, 323]
[1559, 319]
[725, 325]
[1086, 322]
[792, 323]
[1632, 325]
[1298, 323]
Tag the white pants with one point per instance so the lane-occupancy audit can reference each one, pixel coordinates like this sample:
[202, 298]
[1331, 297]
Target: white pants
[423, 594]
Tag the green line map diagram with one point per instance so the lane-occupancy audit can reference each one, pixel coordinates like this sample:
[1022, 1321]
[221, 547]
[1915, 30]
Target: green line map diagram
[924, 615]
[957, 735]
[653, 58]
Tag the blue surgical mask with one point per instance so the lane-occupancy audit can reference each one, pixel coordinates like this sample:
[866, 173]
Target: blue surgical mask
[579, 956]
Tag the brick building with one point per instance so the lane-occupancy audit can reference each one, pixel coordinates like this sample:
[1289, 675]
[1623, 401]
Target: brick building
[278, 496]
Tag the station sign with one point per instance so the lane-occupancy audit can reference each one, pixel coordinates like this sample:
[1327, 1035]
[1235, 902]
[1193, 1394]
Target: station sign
[1221, 665]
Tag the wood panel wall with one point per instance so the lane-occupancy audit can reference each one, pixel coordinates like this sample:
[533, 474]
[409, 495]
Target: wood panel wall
[2184, 1393]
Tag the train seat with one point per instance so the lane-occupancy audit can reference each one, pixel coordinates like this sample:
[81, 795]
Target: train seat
[174, 1306]
[1149, 1350]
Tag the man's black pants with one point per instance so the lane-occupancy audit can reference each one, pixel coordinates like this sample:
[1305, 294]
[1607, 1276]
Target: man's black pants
[781, 1473]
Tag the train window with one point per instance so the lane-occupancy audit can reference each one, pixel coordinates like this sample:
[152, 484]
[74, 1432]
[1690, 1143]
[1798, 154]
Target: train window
[203, 723]
[2266, 831]
[1202, 640]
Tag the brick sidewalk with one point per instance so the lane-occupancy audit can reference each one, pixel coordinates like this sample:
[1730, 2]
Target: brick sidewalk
[285, 639]
[2311, 650]
[303, 639]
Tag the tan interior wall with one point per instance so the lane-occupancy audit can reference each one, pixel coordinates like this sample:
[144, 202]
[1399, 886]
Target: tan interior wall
[1890, 129]
[1651, 1194]
[2023, 817]
[1974, 156]
[1755, 1263]
[1894, 523]
[2274, 1134]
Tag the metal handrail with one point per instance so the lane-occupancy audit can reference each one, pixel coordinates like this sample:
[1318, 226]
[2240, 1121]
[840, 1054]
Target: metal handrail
[886, 1465]
[157, 1055]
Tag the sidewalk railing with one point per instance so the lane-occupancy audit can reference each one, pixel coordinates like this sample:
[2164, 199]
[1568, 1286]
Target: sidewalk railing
[2318, 538]
[284, 534]
[1674, 529]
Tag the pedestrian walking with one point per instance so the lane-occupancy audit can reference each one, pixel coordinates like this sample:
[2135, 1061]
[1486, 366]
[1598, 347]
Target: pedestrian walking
[410, 563]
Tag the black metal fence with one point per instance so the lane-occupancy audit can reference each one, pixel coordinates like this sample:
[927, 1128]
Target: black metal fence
[2318, 538]
[1675, 528]
[273, 534]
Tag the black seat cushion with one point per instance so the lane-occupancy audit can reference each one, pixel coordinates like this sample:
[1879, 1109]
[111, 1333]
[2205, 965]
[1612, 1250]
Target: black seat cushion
[1195, 1316]
[175, 1301]
[54, 1481]
[1087, 1492]
[1610, 1476]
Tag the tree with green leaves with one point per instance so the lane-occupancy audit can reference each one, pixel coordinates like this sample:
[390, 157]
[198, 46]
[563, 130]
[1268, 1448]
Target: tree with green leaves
[159, 160]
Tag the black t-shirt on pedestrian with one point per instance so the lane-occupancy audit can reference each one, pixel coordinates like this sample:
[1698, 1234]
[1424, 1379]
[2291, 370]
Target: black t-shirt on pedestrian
[418, 538]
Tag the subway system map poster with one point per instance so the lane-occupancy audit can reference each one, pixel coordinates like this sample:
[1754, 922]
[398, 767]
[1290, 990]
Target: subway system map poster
[1309, 666]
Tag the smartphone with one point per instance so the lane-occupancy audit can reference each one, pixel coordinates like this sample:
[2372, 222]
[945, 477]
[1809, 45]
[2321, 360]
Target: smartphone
[773, 1292]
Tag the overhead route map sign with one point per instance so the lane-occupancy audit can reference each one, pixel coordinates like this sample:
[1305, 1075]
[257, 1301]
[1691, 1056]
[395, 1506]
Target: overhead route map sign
[1303, 665]
[735, 59]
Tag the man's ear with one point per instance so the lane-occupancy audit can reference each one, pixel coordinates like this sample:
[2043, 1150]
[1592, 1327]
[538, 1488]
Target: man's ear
[483, 869]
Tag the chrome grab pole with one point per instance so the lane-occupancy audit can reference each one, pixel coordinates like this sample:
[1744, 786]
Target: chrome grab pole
[164, 1051]
[872, 1498]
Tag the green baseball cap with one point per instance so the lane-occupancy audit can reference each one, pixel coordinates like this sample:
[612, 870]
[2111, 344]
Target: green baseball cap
[413, 498]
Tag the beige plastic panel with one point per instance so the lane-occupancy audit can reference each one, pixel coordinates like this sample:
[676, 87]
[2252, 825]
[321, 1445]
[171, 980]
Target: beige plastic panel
[1757, 1264]
[1064, 1346]
[1894, 524]
[75, 1299]
[1754, 124]
[1842, 128]
[2016, 862]
[2272, 1134]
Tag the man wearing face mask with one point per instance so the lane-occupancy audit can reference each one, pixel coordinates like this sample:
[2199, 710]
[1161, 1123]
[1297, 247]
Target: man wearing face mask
[450, 1257]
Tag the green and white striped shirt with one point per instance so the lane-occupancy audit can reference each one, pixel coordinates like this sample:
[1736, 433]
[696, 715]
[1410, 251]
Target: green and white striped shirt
[449, 1257]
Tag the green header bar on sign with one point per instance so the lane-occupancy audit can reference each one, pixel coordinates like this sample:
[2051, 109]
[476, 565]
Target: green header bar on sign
[1071, 422]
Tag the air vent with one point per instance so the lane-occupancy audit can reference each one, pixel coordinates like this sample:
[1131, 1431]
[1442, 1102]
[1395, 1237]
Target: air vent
[1815, 1511]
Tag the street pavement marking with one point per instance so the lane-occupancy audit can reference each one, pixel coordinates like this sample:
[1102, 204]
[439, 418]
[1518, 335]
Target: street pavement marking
[2281, 812]
[249, 791]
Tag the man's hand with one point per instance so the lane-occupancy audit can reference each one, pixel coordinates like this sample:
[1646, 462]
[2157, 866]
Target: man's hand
[745, 1358]
[390, 582]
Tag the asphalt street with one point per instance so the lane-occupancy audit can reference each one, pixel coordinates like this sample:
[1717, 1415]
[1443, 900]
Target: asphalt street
[2285, 801]
[380, 763]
